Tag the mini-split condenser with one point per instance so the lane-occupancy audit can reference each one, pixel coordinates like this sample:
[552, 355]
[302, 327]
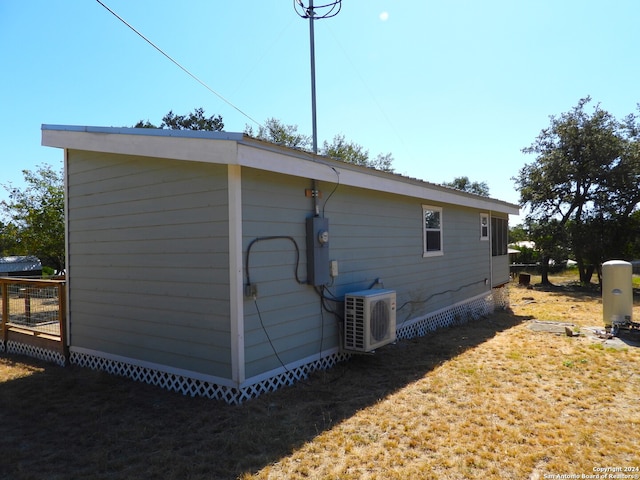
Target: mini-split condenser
[369, 319]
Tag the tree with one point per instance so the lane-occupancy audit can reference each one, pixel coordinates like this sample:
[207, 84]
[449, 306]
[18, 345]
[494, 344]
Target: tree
[9, 244]
[518, 233]
[195, 120]
[275, 131]
[466, 185]
[351, 152]
[550, 239]
[36, 216]
[585, 176]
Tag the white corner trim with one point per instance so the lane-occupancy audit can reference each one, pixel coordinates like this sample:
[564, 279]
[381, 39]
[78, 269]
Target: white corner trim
[236, 281]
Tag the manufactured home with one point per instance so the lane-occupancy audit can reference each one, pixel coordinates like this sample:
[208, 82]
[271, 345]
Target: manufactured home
[216, 264]
[20, 266]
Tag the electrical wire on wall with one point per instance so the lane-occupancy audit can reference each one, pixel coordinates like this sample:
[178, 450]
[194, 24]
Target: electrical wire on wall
[264, 329]
[274, 237]
[253, 292]
[425, 300]
[324, 205]
[250, 291]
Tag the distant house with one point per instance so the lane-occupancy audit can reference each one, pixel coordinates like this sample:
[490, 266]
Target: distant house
[20, 266]
[216, 264]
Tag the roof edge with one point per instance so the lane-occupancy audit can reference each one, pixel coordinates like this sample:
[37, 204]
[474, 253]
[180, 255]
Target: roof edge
[318, 167]
[156, 132]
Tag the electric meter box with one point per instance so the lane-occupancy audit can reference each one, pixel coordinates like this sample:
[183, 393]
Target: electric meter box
[318, 273]
[617, 293]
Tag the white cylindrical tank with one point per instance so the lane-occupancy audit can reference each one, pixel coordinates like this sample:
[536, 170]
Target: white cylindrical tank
[617, 292]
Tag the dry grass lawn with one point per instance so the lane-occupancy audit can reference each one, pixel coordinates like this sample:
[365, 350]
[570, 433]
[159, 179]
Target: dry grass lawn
[491, 399]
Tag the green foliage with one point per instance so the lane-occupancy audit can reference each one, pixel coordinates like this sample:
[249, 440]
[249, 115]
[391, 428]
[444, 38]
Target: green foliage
[584, 186]
[275, 131]
[9, 241]
[351, 152]
[48, 272]
[527, 256]
[518, 233]
[195, 120]
[465, 185]
[36, 217]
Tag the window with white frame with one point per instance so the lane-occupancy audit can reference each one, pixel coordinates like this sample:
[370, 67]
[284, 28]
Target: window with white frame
[432, 233]
[484, 227]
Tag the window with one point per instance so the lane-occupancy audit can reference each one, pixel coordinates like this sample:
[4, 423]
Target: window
[432, 234]
[499, 235]
[484, 226]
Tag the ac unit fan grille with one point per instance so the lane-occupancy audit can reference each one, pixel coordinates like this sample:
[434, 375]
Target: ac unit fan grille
[379, 323]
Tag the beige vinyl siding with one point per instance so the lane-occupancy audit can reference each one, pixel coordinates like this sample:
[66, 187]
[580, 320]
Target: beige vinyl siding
[380, 237]
[372, 235]
[148, 249]
[275, 205]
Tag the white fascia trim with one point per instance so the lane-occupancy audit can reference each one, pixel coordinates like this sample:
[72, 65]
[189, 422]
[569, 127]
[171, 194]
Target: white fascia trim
[199, 149]
[225, 382]
[329, 171]
[235, 148]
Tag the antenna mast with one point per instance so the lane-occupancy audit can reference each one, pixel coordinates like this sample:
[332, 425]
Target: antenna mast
[313, 13]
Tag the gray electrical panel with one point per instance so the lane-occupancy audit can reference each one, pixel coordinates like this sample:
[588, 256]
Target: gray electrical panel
[318, 251]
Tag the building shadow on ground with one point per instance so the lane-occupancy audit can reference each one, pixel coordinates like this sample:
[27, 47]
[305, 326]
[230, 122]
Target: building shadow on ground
[72, 423]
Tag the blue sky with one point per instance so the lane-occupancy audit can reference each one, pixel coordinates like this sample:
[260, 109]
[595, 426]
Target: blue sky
[449, 88]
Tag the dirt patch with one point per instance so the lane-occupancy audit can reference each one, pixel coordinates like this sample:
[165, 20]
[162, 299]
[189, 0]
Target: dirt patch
[559, 328]
[624, 339]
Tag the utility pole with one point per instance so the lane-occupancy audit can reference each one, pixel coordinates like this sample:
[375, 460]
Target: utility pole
[312, 54]
[314, 13]
[309, 11]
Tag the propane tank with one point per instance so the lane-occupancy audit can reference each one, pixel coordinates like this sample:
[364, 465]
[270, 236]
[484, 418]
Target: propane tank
[617, 293]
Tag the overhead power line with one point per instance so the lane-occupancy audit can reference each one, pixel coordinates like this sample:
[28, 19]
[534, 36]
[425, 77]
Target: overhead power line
[175, 62]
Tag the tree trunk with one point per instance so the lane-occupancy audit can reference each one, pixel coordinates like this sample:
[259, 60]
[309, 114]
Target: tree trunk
[585, 271]
[544, 271]
[588, 273]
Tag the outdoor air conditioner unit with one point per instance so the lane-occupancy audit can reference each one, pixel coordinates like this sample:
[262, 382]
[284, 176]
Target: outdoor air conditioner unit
[369, 319]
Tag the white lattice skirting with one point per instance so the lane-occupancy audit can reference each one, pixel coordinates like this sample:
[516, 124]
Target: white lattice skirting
[458, 314]
[463, 312]
[34, 352]
[196, 387]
